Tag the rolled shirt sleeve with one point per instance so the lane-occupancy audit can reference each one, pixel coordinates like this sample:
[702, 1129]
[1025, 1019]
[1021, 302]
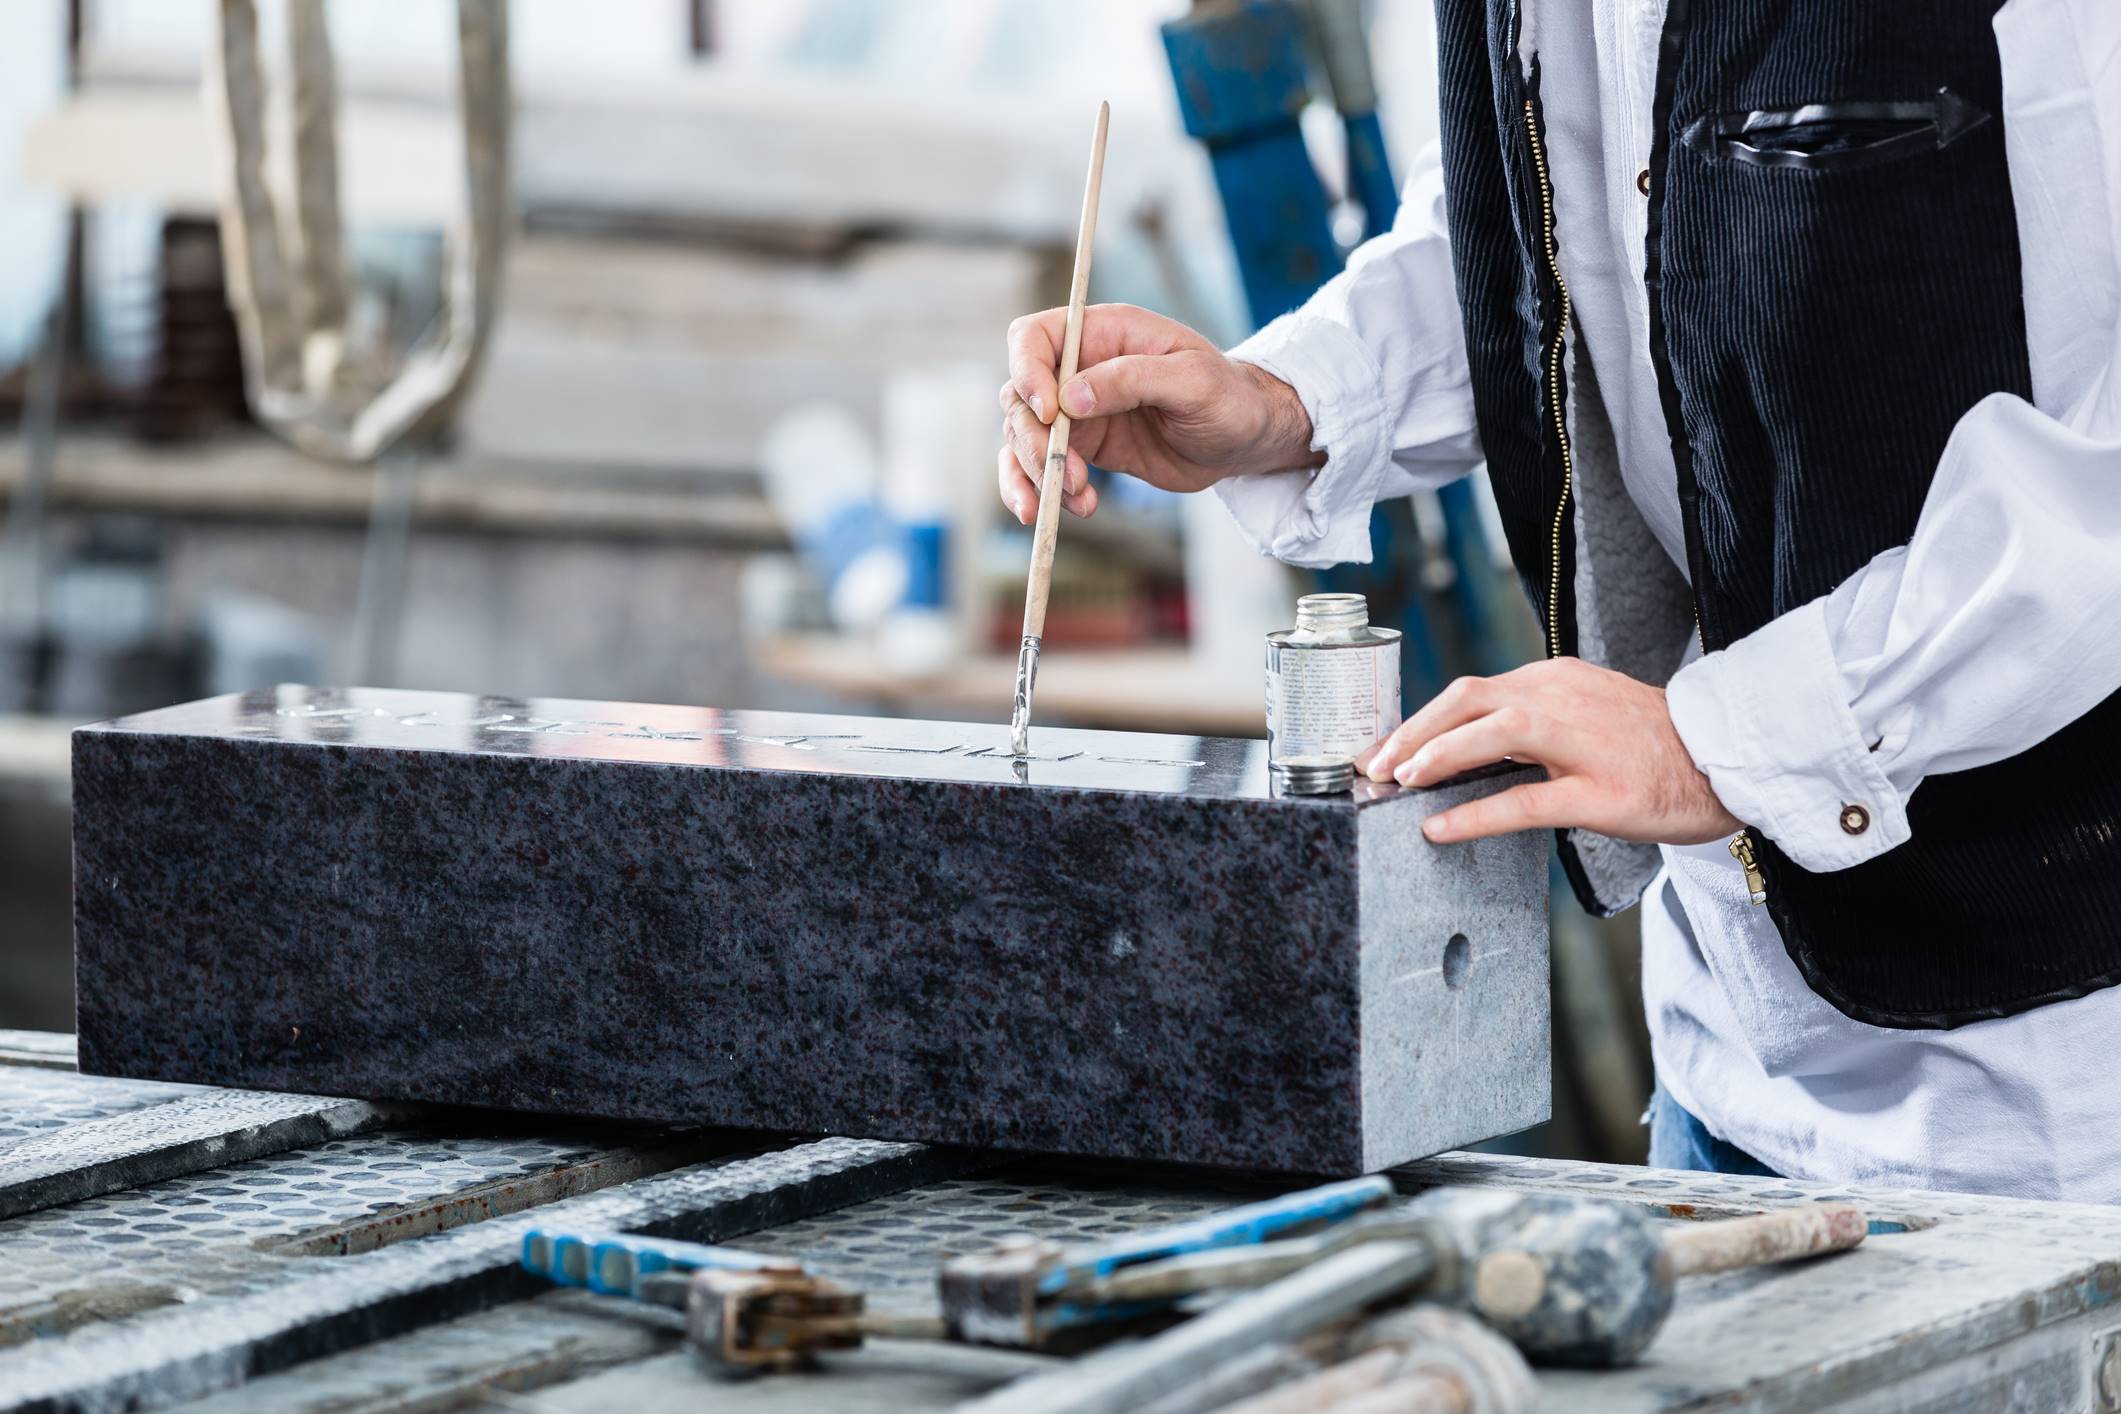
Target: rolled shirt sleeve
[1378, 359]
[1989, 631]
[1768, 720]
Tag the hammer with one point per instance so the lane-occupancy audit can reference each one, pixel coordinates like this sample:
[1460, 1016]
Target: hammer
[1571, 1282]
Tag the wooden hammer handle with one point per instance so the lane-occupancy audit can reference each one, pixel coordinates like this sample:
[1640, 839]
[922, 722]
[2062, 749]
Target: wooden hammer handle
[1694, 1249]
[1055, 470]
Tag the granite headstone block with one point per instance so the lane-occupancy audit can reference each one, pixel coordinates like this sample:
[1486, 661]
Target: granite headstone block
[1128, 946]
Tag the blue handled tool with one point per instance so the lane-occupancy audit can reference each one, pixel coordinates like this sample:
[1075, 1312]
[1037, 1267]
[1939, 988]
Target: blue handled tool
[743, 1310]
[746, 1310]
[1028, 1293]
[616, 1264]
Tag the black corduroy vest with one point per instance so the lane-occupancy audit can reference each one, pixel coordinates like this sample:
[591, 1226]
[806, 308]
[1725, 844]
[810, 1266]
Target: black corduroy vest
[1834, 281]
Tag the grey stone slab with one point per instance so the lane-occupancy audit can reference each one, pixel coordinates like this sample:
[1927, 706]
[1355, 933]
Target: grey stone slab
[190, 1132]
[35, 1099]
[561, 1335]
[1128, 946]
[52, 1050]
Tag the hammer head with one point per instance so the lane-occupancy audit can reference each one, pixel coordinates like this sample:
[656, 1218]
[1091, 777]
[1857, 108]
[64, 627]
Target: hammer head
[1579, 1284]
[1569, 1281]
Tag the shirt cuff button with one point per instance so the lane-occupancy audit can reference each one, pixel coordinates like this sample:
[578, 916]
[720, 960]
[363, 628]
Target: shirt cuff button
[1855, 819]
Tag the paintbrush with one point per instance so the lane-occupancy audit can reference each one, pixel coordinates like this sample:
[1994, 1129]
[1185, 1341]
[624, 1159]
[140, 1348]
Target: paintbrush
[1040, 580]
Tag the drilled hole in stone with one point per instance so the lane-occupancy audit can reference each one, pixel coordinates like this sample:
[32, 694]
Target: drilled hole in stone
[1457, 957]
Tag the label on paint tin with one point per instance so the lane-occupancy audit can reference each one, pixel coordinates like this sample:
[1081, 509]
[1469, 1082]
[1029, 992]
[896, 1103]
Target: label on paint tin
[1330, 699]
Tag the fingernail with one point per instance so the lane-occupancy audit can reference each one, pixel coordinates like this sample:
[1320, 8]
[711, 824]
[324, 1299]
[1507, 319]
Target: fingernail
[1038, 407]
[1078, 399]
[1406, 772]
[1418, 767]
[1436, 828]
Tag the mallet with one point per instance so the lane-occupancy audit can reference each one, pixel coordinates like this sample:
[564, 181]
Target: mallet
[1040, 581]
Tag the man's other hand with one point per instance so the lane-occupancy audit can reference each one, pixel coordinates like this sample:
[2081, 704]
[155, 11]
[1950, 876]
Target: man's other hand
[1151, 398]
[1614, 762]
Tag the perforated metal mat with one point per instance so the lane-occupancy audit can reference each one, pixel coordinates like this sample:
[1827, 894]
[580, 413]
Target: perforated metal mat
[36, 1098]
[214, 1287]
[213, 1231]
[266, 1233]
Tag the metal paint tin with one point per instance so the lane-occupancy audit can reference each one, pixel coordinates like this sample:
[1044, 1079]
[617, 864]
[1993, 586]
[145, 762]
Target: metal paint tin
[1332, 681]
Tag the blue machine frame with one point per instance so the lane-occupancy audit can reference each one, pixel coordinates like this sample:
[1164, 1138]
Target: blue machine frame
[1243, 73]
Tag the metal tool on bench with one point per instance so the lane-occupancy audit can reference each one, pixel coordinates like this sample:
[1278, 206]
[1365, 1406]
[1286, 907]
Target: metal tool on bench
[1028, 1293]
[1414, 1360]
[744, 1311]
[1569, 1281]
[1566, 1280]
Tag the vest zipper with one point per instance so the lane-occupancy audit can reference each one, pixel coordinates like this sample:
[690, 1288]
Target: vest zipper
[1742, 851]
[1561, 338]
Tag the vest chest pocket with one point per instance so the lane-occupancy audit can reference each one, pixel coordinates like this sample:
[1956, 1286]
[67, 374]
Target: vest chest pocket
[1824, 137]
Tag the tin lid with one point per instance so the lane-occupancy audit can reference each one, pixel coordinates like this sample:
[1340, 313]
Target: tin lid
[1316, 775]
[1325, 613]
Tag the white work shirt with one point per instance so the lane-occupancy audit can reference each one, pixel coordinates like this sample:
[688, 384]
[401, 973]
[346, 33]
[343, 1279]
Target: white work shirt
[1998, 624]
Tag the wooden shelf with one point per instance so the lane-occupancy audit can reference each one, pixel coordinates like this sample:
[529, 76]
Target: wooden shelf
[250, 476]
[1161, 689]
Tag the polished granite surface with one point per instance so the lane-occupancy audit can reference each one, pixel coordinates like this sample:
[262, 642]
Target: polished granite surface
[811, 743]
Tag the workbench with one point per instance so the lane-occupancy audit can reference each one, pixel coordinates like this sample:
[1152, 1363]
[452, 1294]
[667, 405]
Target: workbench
[175, 1246]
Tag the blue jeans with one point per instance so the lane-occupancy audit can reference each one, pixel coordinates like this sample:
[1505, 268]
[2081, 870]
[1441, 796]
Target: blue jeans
[1680, 1141]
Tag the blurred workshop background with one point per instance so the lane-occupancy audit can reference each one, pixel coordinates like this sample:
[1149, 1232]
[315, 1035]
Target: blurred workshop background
[648, 351]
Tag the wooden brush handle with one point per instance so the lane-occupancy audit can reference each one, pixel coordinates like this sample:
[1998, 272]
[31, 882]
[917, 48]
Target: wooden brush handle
[1040, 582]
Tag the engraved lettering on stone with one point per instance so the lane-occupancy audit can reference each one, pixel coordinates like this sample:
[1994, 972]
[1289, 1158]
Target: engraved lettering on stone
[648, 733]
[911, 750]
[1005, 755]
[552, 726]
[429, 719]
[310, 712]
[803, 741]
